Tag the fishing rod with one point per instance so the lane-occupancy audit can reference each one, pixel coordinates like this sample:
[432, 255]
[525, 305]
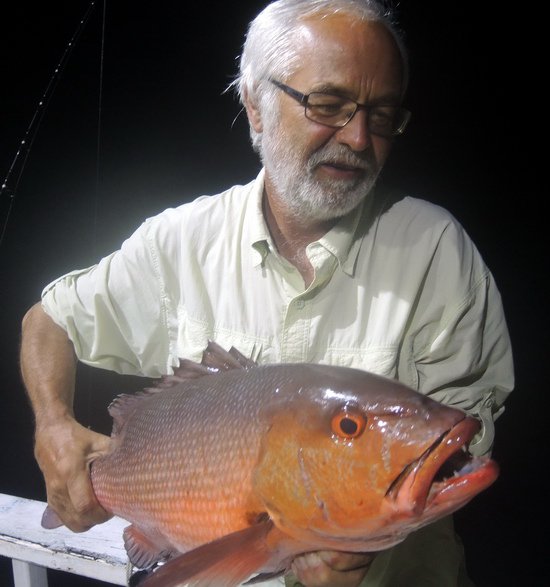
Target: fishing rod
[10, 185]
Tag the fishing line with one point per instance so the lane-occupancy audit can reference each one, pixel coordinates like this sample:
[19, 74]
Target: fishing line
[19, 161]
[99, 121]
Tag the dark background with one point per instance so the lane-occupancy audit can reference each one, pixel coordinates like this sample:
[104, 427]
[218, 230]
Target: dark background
[167, 136]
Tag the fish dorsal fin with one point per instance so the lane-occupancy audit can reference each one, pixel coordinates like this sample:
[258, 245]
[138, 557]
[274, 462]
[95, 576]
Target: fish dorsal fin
[215, 359]
[226, 562]
[124, 404]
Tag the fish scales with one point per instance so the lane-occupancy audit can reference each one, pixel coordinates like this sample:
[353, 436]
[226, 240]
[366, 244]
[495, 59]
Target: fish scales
[227, 470]
[164, 467]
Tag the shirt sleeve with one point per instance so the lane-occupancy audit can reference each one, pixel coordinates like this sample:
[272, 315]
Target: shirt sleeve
[463, 357]
[117, 313]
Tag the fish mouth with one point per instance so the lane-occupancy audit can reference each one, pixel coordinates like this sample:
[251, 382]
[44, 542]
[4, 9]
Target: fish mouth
[445, 476]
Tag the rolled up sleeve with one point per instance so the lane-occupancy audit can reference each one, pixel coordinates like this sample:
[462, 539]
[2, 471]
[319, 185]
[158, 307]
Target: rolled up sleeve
[117, 313]
[468, 362]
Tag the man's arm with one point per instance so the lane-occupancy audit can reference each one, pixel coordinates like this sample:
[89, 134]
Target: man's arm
[63, 448]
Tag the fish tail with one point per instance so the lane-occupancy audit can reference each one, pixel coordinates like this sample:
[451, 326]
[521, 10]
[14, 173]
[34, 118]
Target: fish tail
[50, 519]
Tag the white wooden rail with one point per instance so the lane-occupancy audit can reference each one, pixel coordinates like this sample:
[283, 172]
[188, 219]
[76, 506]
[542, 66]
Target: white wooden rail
[98, 553]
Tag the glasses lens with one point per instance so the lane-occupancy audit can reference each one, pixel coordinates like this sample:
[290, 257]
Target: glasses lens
[384, 120]
[336, 111]
[329, 109]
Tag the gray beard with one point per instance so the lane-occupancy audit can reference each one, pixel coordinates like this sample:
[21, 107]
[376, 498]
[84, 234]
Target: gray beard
[305, 197]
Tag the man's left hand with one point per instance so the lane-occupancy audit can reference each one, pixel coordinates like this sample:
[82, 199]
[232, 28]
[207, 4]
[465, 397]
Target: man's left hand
[328, 568]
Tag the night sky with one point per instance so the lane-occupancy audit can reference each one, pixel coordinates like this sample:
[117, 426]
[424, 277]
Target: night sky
[169, 133]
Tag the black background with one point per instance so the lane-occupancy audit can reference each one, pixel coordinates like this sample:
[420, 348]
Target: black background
[167, 135]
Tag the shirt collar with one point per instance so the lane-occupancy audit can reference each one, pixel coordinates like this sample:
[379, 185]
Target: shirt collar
[260, 239]
[343, 240]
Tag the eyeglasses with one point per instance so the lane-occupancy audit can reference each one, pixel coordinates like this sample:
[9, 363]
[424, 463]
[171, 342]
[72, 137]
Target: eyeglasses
[336, 111]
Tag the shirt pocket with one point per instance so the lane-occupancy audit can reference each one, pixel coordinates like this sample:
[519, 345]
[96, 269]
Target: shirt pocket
[382, 361]
[195, 333]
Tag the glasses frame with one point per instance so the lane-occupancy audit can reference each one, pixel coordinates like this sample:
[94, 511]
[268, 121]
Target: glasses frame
[304, 98]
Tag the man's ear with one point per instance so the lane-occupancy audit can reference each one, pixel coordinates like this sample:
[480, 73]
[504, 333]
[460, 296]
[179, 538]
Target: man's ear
[253, 112]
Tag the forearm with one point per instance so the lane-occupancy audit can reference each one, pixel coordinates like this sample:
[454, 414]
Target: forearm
[63, 448]
[48, 366]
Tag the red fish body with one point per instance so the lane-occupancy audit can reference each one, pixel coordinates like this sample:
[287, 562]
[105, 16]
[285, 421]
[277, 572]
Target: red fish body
[242, 467]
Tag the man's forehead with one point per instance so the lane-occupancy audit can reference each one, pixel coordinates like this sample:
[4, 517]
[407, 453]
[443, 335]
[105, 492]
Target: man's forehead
[339, 49]
[342, 28]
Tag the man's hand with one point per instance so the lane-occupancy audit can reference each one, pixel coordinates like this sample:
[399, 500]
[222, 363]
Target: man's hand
[63, 448]
[64, 452]
[327, 568]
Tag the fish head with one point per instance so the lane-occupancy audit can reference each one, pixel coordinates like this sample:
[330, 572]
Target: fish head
[357, 461]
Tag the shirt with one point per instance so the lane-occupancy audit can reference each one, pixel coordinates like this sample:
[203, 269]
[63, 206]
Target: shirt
[399, 289]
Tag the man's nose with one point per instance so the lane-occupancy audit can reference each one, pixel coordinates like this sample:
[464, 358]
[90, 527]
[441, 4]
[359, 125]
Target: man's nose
[356, 134]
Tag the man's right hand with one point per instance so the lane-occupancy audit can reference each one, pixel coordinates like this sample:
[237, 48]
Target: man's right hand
[64, 451]
[63, 448]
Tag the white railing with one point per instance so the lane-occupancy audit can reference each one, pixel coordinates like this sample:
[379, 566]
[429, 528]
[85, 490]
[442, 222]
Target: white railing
[98, 553]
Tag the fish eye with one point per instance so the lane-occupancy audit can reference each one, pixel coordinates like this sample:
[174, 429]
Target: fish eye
[348, 423]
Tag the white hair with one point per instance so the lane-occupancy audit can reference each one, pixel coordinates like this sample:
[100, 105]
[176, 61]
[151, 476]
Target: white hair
[269, 50]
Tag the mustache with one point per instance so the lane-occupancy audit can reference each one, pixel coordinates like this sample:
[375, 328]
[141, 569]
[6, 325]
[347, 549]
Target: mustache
[335, 155]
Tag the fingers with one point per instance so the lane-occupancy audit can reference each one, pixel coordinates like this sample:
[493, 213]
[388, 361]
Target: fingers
[64, 453]
[84, 509]
[76, 504]
[346, 561]
[331, 568]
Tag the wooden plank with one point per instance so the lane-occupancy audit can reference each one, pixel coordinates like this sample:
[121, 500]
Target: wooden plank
[98, 553]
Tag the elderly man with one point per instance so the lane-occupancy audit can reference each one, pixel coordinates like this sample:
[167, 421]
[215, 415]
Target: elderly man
[311, 261]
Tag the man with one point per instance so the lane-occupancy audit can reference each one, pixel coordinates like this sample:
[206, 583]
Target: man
[312, 261]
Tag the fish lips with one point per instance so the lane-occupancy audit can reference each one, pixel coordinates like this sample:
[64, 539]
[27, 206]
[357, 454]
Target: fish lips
[445, 477]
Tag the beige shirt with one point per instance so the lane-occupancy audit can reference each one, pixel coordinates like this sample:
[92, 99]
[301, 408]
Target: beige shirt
[399, 289]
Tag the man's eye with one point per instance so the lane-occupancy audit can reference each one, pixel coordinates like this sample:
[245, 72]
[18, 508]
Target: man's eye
[381, 117]
[320, 99]
[328, 109]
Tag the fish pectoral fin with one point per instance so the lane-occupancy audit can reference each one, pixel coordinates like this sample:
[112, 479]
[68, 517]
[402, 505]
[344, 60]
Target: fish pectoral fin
[265, 577]
[142, 548]
[225, 562]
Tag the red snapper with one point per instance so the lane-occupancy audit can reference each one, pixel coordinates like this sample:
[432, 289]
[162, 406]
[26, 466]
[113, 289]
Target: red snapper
[227, 469]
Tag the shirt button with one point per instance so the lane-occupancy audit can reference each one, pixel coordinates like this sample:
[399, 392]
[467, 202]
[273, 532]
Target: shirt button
[300, 304]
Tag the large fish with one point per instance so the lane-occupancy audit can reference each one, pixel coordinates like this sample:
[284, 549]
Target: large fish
[228, 469]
